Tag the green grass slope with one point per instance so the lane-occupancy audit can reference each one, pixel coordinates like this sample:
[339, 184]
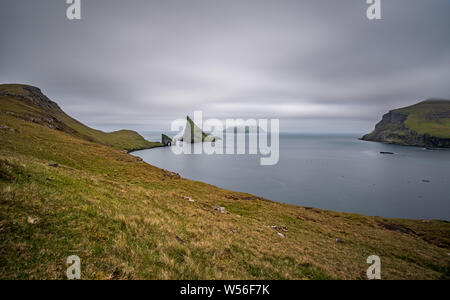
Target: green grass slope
[429, 117]
[29, 103]
[126, 219]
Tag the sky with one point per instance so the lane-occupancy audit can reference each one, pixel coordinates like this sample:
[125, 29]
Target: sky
[317, 65]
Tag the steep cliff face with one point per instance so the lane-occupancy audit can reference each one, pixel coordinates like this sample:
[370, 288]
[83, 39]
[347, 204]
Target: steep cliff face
[425, 124]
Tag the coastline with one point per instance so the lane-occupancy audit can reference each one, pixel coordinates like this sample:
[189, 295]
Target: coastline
[145, 148]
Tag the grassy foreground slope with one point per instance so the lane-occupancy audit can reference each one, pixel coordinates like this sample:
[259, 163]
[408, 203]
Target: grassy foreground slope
[126, 219]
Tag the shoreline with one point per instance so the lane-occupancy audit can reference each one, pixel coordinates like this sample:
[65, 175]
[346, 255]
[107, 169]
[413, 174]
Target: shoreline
[144, 148]
[404, 145]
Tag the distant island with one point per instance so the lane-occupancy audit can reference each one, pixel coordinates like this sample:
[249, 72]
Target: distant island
[244, 129]
[425, 124]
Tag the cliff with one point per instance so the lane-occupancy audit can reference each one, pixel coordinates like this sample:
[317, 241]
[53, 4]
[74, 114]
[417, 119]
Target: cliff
[424, 124]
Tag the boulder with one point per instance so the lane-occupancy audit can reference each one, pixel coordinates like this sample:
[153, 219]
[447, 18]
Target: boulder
[220, 209]
[280, 228]
[188, 199]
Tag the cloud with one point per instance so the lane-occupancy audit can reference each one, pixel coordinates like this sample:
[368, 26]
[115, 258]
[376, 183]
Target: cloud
[149, 62]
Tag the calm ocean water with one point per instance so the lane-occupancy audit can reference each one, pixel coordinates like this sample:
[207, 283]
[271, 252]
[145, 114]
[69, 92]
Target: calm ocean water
[337, 173]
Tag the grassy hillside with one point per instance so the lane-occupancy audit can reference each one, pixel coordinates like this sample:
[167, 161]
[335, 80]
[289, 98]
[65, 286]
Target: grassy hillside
[126, 219]
[29, 103]
[429, 117]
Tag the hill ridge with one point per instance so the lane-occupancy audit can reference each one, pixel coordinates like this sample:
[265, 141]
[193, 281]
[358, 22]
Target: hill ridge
[34, 96]
[30, 104]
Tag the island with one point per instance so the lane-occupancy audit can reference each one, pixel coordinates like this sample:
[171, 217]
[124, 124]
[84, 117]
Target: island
[194, 134]
[244, 129]
[425, 124]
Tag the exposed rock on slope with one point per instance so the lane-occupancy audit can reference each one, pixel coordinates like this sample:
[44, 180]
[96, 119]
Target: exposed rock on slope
[425, 124]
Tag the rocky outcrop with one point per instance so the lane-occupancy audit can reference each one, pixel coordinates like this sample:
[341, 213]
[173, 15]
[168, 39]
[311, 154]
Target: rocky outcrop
[33, 96]
[49, 112]
[166, 140]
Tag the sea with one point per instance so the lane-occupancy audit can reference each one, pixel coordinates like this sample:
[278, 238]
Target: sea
[332, 172]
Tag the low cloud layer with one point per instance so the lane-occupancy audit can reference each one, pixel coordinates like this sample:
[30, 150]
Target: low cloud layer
[316, 65]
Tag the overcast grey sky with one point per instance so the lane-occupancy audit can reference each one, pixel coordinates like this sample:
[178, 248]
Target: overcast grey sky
[318, 65]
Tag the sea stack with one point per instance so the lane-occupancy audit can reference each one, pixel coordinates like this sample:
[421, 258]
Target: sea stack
[194, 134]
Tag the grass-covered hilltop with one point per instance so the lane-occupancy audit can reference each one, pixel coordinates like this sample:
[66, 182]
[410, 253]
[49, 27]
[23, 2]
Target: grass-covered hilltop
[66, 189]
[424, 124]
[29, 104]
